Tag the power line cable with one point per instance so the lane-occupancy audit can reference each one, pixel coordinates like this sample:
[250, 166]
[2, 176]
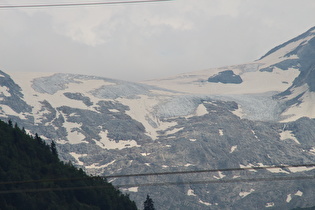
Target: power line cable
[79, 4]
[219, 181]
[209, 170]
[159, 173]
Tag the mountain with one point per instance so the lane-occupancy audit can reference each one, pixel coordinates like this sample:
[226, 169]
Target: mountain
[32, 177]
[249, 115]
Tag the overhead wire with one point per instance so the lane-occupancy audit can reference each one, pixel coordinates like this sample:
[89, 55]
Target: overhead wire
[78, 4]
[160, 173]
[273, 178]
[217, 181]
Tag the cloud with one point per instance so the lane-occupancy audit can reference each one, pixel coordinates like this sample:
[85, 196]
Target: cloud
[145, 41]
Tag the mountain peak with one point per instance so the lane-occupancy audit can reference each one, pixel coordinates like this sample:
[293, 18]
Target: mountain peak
[308, 33]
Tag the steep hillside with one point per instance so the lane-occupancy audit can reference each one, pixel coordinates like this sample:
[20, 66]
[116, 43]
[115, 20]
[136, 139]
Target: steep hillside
[255, 114]
[32, 177]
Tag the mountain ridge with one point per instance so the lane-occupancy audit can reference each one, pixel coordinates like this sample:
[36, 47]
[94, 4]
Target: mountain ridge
[184, 122]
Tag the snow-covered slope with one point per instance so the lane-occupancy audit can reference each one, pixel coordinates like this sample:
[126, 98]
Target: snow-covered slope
[254, 114]
[287, 71]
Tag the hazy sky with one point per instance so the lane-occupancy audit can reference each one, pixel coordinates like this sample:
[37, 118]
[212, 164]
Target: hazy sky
[150, 40]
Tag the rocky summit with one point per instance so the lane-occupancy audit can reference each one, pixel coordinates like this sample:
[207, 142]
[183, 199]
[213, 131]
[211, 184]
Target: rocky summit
[203, 123]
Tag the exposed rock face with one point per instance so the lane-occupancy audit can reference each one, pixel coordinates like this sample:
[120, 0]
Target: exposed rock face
[214, 119]
[225, 77]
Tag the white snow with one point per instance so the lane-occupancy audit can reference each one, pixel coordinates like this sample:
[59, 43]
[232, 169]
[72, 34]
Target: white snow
[248, 166]
[287, 134]
[73, 135]
[253, 81]
[107, 143]
[254, 134]
[279, 54]
[97, 166]
[289, 198]
[175, 130]
[6, 110]
[300, 169]
[271, 204]
[233, 148]
[188, 164]
[113, 110]
[244, 194]
[190, 192]
[273, 170]
[141, 110]
[299, 193]
[130, 189]
[305, 109]
[220, 175]
[205, 203]
[201, 110]
[5, 91]
[239, 112]
[77, 156]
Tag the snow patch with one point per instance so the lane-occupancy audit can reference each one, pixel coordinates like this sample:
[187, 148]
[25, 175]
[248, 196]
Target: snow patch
[6, 110]
[205, 203]
[244, 194]
[273, 170]
[175, 130]
[300, 169]
[201, 110]
[107, 143]
[284, 135]
[130, 189]
[248, 166]
[239, 112]
[268, 205]
[74, 135]
[299, 193]
[191, 192]
[254, 134]
[142, 109]
[77, 156]
[233, 148]
[113, 110]
[220, 175]
[188, 164]
[97, 166]
[5, 91]
[305, 109]
[289, 198]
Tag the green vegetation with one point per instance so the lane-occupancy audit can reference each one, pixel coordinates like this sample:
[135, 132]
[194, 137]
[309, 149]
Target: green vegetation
[32, 177]
[148, 204]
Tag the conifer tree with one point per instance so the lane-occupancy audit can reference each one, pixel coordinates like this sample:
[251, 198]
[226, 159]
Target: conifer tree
[53, 148]
[148, 204]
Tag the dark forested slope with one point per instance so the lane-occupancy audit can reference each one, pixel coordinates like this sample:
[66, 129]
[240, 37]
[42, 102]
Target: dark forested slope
[32, 177]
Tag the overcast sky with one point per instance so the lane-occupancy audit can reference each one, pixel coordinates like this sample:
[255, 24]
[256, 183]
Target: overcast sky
[144, 41]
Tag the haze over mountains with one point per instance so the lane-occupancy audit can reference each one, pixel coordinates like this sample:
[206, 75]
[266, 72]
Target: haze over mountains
[256, 114]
